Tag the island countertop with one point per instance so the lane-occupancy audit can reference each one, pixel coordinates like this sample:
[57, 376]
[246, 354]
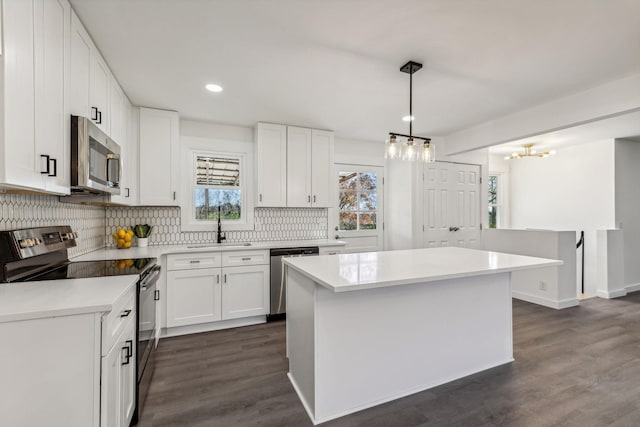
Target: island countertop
[368, 270]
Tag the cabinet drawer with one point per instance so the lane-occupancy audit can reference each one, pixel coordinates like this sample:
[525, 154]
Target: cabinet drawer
[194, 261]
[331, 250]
[238, 258]
[114, 322]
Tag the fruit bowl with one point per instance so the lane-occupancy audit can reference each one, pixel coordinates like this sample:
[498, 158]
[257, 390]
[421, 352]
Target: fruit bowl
[122, 238]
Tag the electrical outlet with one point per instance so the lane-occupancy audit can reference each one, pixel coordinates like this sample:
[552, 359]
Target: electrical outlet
[543, 285]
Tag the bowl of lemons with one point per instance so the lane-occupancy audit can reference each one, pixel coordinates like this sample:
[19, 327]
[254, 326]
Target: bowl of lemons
[123, 238]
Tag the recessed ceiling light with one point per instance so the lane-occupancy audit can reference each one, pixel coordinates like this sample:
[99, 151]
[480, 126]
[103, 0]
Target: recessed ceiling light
[408, 118]
[213, 88]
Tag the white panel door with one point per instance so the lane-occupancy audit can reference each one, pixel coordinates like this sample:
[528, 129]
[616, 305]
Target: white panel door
[321, 163]
[451, 205]
[271, 161]
[358, 217]
[245, 291]
[298, 167]
[193, 296]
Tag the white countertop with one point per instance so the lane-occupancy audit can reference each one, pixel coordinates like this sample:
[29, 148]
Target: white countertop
[359, 271]
[52, 298]
[158, 251]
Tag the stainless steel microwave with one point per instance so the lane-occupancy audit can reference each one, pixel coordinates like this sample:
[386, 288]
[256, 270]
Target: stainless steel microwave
[95, 159]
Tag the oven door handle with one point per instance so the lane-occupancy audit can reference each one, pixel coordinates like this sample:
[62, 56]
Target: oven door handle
[150, 278]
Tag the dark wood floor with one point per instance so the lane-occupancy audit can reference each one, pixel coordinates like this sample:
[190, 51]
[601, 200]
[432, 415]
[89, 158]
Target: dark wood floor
[574, 367]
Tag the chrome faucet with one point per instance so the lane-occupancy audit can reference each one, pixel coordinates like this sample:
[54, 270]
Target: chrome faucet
[220, 235]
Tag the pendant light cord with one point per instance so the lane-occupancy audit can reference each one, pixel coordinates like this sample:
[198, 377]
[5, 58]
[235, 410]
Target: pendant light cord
[411, 102]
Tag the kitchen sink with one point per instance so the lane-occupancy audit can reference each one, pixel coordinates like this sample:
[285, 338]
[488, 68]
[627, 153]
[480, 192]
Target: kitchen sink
[220, 245]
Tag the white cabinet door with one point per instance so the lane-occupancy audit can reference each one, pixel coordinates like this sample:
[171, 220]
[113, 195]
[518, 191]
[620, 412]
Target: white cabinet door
[271, 160]
[128, 378]
[99, 91]
[193, 296]
[111, 385]
[81, 46]
[321, 162]
[117, 119]
[245, 291]
[52, 121]
[159, 162]
[298, 167]
[129, 149]
[20, 161]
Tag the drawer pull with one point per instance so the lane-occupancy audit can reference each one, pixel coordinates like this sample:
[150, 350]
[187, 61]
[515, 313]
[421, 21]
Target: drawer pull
[125, 313]
[195, 261]
[246, 259]
[129, 351]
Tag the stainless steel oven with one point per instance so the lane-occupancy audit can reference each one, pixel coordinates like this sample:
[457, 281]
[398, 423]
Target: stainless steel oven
[95, 159]
[148, 294]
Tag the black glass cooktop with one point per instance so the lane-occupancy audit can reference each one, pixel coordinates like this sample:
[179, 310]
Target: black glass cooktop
[84, 269]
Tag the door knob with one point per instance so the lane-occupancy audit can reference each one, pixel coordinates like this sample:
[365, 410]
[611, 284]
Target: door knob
[337, 237]
[454, 228]
[337, 228]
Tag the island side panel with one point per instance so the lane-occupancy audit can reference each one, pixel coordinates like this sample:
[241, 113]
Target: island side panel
[377, 345]
[301, 336]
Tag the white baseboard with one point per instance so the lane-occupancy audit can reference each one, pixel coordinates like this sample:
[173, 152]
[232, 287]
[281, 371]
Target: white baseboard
[547, 302]
[616, 293]
[212, 326]
[632, 288]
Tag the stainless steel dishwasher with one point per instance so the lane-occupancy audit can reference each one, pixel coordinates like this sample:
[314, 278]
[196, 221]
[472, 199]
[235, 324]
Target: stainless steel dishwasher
[278, 281]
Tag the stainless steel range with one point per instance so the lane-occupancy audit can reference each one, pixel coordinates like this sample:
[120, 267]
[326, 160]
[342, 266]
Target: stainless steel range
[36, 254]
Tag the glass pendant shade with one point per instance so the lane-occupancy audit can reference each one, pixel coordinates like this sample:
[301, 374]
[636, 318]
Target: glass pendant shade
[392, 148]
[428, 153]
[410, 151]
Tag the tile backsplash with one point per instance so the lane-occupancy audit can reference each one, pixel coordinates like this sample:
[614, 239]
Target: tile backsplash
[25, 211]
[270, 224]
[95, 224]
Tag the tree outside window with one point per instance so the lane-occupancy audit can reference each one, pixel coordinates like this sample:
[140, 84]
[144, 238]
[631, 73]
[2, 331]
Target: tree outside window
[217, 184]
[358, 201]
[493, 201]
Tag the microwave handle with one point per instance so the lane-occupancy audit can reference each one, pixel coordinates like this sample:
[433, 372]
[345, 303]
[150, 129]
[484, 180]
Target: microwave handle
[114, 158]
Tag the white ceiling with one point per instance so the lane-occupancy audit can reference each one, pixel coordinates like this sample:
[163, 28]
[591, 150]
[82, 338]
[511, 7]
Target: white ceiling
[626, 126]
[334, 64]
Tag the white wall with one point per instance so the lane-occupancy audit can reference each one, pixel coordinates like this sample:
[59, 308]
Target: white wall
[359, 152]
[627, 207]
[573, 190]
[553, 286]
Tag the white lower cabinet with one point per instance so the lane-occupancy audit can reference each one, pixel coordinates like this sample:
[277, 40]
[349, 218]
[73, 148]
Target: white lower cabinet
[209, 287]
[193, 296]
[70, 370]
[245, 291]
[118, 380]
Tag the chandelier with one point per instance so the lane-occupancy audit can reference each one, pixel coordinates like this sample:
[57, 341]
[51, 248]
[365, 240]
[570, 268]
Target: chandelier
[530, 152]
[409, 147]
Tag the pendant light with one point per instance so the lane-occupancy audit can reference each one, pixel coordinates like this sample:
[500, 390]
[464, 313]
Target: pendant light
[414, 148]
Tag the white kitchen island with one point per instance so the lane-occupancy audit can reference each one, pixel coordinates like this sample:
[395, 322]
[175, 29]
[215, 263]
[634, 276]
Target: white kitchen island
[367, 328]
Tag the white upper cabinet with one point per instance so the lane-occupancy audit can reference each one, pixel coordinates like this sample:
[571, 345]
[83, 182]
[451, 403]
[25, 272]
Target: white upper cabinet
[122, 126]
[298, 167]
[271, 156]
[322, 143]
[159, 144]
[52, 19]
[34, 81]
[117, 113]
[81, 46]
[91, 79]
[294, 165]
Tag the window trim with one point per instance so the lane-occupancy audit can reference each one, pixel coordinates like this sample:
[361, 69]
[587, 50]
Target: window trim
[191, 147]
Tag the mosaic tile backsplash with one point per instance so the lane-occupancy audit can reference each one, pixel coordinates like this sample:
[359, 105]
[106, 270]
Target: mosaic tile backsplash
[25, 211]
[270, 224]
[95, 224]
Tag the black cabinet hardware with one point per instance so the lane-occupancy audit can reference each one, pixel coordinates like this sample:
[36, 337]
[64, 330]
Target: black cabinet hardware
[46, 159]
[55, 167]
[94, 117]
[156, 295]
[99, 117]
[125, 313]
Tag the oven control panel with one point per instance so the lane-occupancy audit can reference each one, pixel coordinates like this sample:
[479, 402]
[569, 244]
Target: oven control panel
[37, 241]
